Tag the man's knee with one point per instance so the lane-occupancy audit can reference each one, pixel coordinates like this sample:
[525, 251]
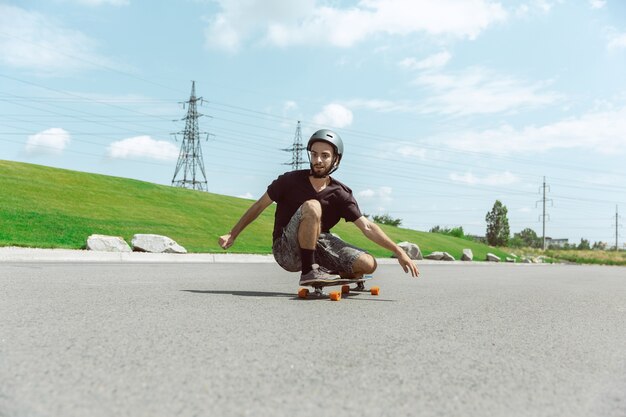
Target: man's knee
[365, 264]
[311, 209]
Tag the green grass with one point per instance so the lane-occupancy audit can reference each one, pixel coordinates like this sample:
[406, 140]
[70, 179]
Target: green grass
[53, 208]
[592, 257]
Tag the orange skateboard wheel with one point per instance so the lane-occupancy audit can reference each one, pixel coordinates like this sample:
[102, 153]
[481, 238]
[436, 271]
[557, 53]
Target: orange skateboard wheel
[374, 290]
[345, 289]
[303, 292]
[335, 296]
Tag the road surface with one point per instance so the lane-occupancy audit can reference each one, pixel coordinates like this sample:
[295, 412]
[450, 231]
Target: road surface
[115, 339]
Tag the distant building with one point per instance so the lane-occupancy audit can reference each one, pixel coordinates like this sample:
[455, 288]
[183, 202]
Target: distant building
[556, 243]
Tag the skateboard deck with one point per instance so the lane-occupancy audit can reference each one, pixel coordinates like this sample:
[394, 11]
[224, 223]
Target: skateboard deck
[345, 288]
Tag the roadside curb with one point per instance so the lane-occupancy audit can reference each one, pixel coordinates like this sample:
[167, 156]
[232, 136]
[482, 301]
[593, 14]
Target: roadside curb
[19, 254]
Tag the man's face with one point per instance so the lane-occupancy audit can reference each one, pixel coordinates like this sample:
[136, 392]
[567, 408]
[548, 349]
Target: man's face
[322, 158]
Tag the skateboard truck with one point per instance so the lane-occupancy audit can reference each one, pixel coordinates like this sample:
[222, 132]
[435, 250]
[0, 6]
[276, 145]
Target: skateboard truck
[345, 288]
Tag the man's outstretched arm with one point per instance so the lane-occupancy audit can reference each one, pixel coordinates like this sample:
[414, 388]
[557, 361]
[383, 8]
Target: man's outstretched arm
[249, 216]
[374, 233]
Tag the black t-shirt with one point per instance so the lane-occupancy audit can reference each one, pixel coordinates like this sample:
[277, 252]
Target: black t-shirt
[292, 189]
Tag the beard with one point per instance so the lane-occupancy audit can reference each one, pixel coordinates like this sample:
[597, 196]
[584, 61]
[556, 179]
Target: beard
[317, 173]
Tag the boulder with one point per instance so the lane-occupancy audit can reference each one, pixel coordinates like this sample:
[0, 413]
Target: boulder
[510, 260]
[492, 258]
[156, 244]
[468, 255]
[411, 249]
[436, 256]
[103, 243]
[447, 257]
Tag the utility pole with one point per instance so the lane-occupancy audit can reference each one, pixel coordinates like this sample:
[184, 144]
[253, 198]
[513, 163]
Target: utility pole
[190, 163]
[616, 228]
[543, 216]
[296, 150]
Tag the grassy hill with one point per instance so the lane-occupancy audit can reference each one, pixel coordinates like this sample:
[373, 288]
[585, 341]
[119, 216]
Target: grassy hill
[53, 208]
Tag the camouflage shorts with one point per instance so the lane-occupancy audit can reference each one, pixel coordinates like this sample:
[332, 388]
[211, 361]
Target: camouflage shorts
[331, 252]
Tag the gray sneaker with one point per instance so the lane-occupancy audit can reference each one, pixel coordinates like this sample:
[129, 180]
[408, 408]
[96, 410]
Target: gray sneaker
[317, 274]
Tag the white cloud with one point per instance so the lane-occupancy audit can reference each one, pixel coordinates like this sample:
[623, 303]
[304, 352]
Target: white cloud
[431, 62]
[505, 178]
[334, 115]
[480, 91]
[597, 4]
[143, 147]
[381, 194]
[461, 93]
[301, 22]
[48, 142]
[534, 7]
[384, 106]
[102, 2]
[543, 5]
[617, 41]
[411, 151]
[289, 105]
[36, 42]
[522, 10]
[601, 132]
[240, 20]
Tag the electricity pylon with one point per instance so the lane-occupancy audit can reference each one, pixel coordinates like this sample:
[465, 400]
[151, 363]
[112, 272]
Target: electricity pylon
[190, 165]
[544, 215]
[296, 150]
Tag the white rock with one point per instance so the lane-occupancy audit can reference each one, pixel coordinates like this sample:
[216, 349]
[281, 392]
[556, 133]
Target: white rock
[411, 249]
[468, 255]
[437, 256]
[492, 258]
[103, 243]
[447, 257]
[156, 244]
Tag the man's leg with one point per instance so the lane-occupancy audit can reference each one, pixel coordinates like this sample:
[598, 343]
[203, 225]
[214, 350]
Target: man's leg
[348, 260]
[364, 264]
[309, 229]
[308, 233]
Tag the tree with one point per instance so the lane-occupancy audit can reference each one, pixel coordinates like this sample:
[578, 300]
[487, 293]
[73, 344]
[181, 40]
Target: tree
[528, 238]
[599, 246]
[584, 244]
[437, 229]
[386, 219]
[455, 231]
[497, 225]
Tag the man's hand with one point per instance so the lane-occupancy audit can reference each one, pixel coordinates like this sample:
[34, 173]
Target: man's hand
[226, 241]
[374, 233]
[407, 264]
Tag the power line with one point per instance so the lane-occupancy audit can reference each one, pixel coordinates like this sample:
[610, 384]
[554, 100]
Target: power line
[412, 177]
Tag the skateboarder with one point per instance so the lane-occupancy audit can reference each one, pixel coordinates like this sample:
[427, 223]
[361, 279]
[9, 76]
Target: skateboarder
[309, 203]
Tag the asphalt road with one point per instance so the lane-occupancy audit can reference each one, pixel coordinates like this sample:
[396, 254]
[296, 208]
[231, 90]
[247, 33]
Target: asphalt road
[234, 340]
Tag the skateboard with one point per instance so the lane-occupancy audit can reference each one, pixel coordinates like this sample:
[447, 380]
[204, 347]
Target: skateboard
[345, 288]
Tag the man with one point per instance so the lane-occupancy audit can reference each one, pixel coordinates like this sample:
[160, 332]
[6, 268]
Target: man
[309, 203]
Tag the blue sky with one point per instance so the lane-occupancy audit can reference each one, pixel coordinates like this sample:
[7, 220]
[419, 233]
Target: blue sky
[443, 106]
